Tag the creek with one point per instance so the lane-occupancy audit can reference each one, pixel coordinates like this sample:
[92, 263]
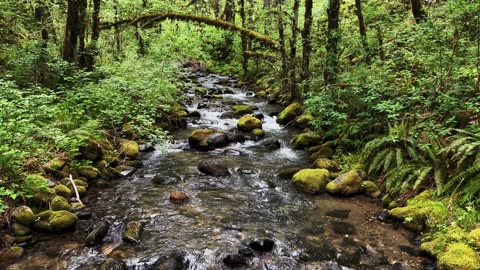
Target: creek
[225, 214]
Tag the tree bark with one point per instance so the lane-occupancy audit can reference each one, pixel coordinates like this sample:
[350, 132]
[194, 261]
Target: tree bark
[381, 51]
[283, 52]
[333, 38]
[418, 12]
[292, 71]
[92, 49]
[116, 28]
[74, 30]
[244, 39]
[307, 46]
[362, 29]
[82, 28]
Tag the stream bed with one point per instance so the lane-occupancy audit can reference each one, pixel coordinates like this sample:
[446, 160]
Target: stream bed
[227, 214]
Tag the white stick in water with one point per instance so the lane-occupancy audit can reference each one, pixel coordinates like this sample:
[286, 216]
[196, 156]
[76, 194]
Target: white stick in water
[76, 190]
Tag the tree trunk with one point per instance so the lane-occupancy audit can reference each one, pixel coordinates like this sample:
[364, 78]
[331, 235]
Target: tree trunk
[92, 49]
[116, 28]
[283, 52]
[244, 39]
[292, 71]
[41, 15]
[267, 20]
[333, 38]
[74, 30]
[418, 12]
[307, 46]
[362, 30]
[82, 28]
[380, 43]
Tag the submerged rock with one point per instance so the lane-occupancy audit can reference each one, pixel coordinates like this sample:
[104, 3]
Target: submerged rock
[288, 173]
[263, 245]
[115, 263]
[346, 184]
[311, 180]
[341, 227]
[11, 253]
[234, 260]
[178, 197]
[98, 233]
[272, 144]
[213, 167]
[132, 231]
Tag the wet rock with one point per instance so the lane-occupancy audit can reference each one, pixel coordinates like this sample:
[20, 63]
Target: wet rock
[98, 233]
[178, 197]
[350, 257]
[198, 139]
[346, 184]
[23, 215]
[149, 147]
[371, 189]
[126, 170]
[129, 148]
[83, 212]
[258, 134]
[245, 171]
[306, 140]
[258, 115]
[234, 260]
[263, 245]
[132, 231]
[412, 251]
[218, 139]
[338, 213]
[341, 227]
[133, 163]
[240, 110]
[288, 173]
[164, 180]
[19, 229]
[311, 180]
[213, 167]
[115, 263]
[91, 151]
[248, 123]
[272, 144]
[246, 251]
[194, 114]
[289, 114]
[318, 249]
[11, 253]
[384, 216]
[373, 257]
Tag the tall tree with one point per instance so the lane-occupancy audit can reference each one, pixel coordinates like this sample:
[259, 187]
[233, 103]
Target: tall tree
[292, 70]
[74, 29]
[283, 51]
[362, 29]
[307, 45]
[333, 38]
[244, 38]
[417, 9]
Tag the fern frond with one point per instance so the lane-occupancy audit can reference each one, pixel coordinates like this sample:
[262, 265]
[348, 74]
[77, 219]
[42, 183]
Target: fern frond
[397, 175]
[421, 175]
[399, 156]
[376, 164]
[388, 160]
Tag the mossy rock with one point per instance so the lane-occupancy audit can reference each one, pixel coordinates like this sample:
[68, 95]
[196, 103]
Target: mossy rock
[59, 203]
[78, 183]
[92, 150]
[240, 110]
[42, 197]
[181, 114]
[474, 238]
[82, 191]
[64, 191]
[23, 215]
[288, 173]
[198, 135]
[55, 164]
[303, 121]
[305, 140]
[328, 164]
[459, 256]
[258, 133]
[132, 231]
[248, 123]
[346, 184]
[421, 213]
[129, 148]
[311, 180]
[128, 131]
[442, 239]
[13, 252]
[88, 172]
[20, 229]
[322, 152]
[290, 113]
[61, 220]
[371, 189]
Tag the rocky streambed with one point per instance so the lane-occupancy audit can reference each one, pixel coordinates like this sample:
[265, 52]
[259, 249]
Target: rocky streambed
[214, 199]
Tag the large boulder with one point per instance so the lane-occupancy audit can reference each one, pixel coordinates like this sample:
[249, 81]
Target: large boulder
[248, 123]
[459, 256]
[303, 121]
[307, 139]
[23, 215]
[311, 180]
[207, 139]
[54, 221]
[346, 184]
[240, 110]
[59, 203]
[290, 113]
[129, 148]
[213, 167]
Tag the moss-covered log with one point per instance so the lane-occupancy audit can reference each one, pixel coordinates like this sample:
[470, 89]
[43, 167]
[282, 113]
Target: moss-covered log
[148, 21]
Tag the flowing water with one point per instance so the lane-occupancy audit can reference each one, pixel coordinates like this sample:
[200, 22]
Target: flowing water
[226, 213]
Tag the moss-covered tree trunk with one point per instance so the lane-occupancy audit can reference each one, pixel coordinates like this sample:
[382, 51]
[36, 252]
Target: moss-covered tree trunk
[381, 51]
[307, 45]
[82, 28]
[333, 38]
[74, 29]
[92, 49]
[417, 9]
[362, 29]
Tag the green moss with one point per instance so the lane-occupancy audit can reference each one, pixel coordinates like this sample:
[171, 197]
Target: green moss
[55, 164]
[290, 113]
[62, 219]
[240, 110]
[181, 114]
[199, 135]
[248, 123]
[458, 256]
[132, 231]
[346, 184]
[371, 189]
[421, 213]
[64, 191]
[473, 238]
[258, 133]
[89, 172]
[325, 163]
[23, 215]
[13, 252]
[45, 215]
[441, 239]
[303, 121]
[311, 180]
[129, 148]
[322, 152]
[20, 229]
[78, 183]
[305, 140]
[59, 203]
